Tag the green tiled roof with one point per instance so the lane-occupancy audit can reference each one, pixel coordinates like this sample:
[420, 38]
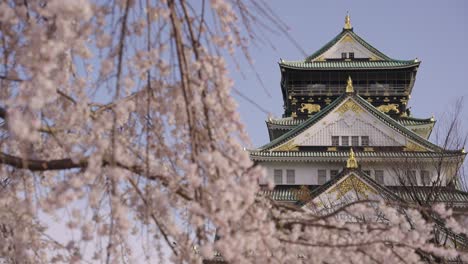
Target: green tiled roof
[337, 65]
[427, 193]
[444, 194]
[341, 156]
[412, 121]
[385, 62]
[454, 197]
[289, 123]
[366, 105]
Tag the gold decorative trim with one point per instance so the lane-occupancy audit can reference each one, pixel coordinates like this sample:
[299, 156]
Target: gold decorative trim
[351, 163]
[293, 114]
[369, 149]
[349, 105]
[332, 149]
[410, 146]
[347, 20]
[311, 108]
[328, 101]
[352, 183]
[303, 194]
[293, 101]
[389, 107]
[321, 58]
[349, 85]
[288, 146]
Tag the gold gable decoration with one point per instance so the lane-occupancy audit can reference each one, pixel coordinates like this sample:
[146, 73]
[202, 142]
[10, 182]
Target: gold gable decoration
[347, 38]
[303, 194]
[410, 146]
[288, 146]
[352, 183]
[349, 105]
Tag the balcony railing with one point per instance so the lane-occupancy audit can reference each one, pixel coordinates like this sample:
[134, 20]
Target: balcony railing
[371, 89]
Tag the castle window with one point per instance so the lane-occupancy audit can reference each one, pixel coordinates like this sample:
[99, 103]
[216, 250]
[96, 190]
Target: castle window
[335, 141]
[365, 141]
[343, 55]
[290, 177]
[425, 178]
[278, 176]
[322, 177]
[355, 140]
[379, 176]
[333, 173]
[351, 55]
[345, 141]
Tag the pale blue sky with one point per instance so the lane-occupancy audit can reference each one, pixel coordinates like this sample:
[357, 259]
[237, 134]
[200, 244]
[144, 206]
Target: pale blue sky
[435, 32]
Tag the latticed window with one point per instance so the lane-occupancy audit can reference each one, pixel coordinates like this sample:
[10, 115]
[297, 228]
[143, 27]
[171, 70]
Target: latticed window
[322, 177]
[365, 141]
[290, 176]
[411, 177]
[425, 177]
[278, 176]
[379, 176]
[333, 173]
[345, 141]
[343, 55]
[335, 141]
[355, 140]
[351, 55]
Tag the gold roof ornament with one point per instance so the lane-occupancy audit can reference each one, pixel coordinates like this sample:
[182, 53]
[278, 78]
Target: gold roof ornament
[347, 21]
[349, 86]
[351, 163]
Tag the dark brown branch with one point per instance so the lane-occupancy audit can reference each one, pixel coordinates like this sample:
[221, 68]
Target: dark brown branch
[41, 165]
[67, 164]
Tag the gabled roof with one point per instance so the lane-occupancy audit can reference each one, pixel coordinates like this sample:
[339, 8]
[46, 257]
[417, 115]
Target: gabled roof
[355, 36]
[362, 103]
[379, 61]
[382, 190]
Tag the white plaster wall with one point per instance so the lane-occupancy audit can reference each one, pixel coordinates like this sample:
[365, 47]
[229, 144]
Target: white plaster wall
[306, 173]
[348, 44]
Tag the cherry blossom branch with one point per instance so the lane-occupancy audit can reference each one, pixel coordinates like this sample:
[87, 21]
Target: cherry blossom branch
[66, 164]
